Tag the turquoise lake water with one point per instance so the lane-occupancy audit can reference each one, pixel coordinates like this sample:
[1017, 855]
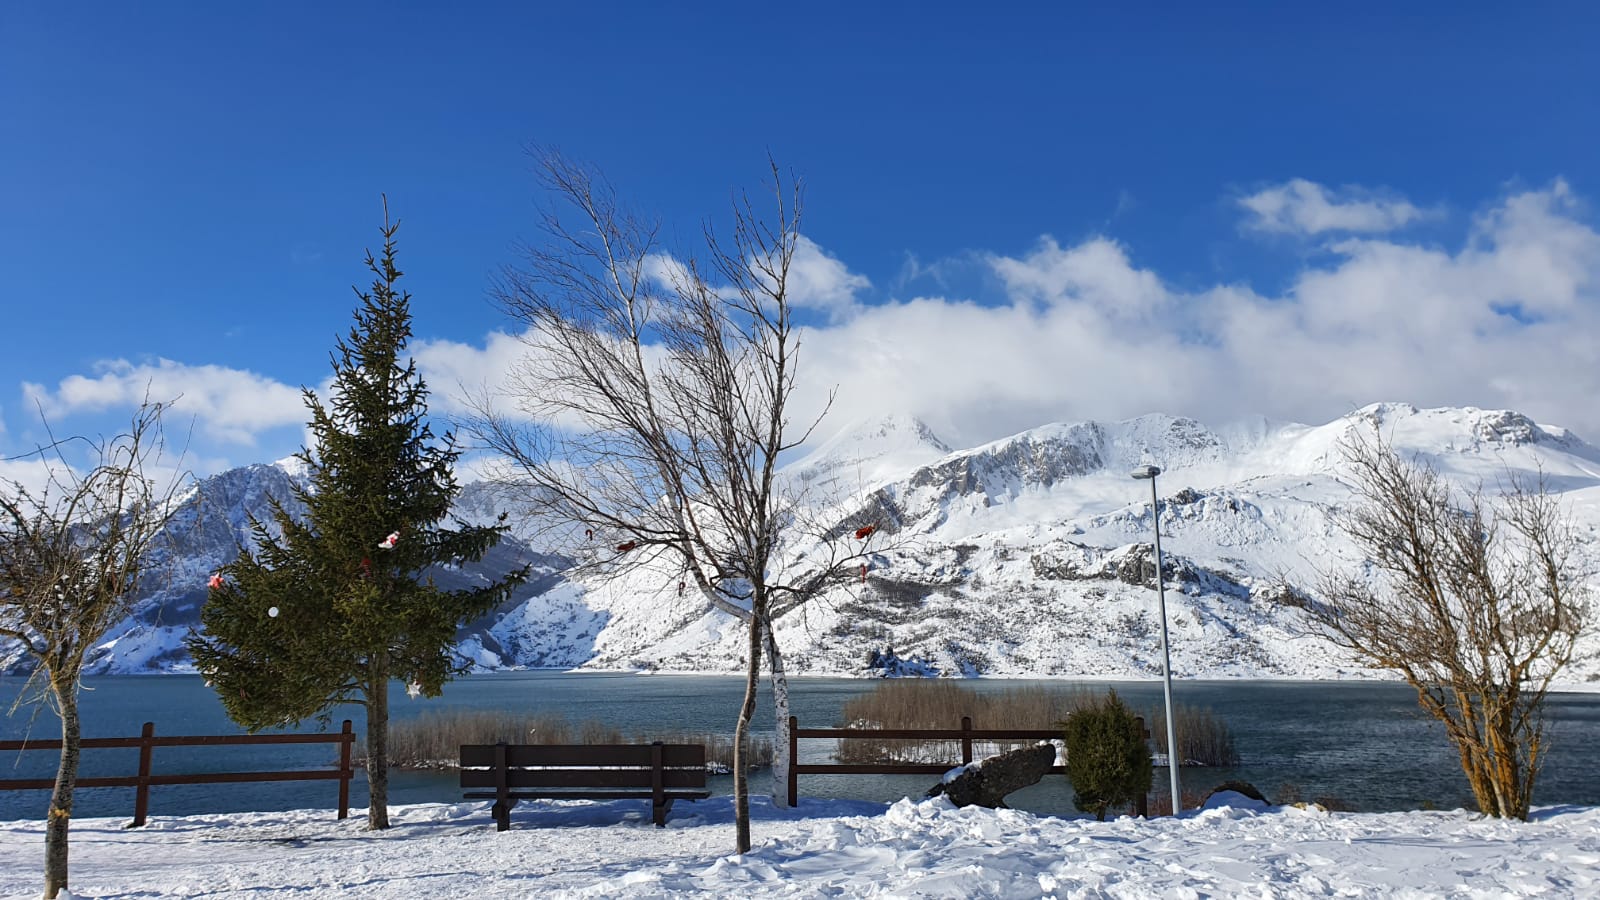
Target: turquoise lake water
[1367, 744]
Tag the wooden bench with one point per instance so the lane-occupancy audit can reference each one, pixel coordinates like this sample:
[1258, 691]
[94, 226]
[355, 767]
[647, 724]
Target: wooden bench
[658, 772]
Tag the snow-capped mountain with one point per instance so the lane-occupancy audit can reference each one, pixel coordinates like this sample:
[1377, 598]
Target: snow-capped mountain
[1028, 556]
[863, 455]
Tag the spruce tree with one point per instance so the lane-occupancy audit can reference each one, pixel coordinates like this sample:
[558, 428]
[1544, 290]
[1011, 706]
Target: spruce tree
[330, 606]
[1107, 760]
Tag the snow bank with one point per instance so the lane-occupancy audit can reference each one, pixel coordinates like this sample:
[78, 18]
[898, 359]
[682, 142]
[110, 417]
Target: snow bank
[824, 848]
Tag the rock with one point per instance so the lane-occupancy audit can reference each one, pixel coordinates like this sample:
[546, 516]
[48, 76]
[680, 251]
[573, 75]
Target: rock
[1237, 787]
[1232, 800]
[987, 782]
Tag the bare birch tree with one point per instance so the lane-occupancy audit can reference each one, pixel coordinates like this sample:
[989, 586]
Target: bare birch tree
[72, 553]
[1477, 604]
[659, 396]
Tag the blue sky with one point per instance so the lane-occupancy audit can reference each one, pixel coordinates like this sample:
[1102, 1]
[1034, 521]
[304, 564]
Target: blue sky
[1017, 214]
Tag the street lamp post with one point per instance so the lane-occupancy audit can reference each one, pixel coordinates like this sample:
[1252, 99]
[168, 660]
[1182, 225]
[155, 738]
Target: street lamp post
[1173, 757]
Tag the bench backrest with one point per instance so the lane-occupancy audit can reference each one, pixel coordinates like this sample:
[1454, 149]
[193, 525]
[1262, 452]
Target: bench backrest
[581, 765]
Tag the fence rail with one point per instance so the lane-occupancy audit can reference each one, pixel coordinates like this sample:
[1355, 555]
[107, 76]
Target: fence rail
[966, 734]
[147, 742]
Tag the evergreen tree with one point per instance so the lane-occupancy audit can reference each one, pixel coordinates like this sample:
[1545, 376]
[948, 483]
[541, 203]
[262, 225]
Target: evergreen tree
[331, 606]
[1107, 760]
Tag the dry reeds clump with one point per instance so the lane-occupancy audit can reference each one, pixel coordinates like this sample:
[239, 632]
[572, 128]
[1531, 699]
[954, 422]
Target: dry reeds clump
[1161, 802]
[940, 704]
[433, 740]
[719, 748]
[1290, 794]
[1203, 738]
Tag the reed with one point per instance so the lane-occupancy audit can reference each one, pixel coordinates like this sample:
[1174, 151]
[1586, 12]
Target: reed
[940, 704]
[1160, 803]
[1289, 793]
[433, 740]
[1203, 737]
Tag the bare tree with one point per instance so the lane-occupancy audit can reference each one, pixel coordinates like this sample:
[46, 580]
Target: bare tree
[659, 404]
[1477, 604]
[72, 553]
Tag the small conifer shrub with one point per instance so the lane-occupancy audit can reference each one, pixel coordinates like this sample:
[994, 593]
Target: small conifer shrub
[1107, 760]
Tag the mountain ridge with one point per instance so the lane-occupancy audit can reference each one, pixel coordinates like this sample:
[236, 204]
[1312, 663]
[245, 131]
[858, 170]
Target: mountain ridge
[1028, 556]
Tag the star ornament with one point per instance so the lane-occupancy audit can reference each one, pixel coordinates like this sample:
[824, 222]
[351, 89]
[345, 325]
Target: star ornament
[216, 581]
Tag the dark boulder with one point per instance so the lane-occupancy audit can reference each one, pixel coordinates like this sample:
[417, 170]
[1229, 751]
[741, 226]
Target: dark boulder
[988, 781]
[1238, 787]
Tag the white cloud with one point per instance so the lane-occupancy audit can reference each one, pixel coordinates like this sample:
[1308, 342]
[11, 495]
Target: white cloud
[502, 371]
[229, 405]
[31, 473]
[1095, 274]
[666, 271]
[54, 468]
[1305, 207]
[1508, 317]
[1511, 319]
[460, 374]
[818, 280]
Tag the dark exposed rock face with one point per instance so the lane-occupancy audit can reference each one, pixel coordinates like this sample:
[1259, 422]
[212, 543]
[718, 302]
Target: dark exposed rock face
[1506, 427]
[1026, 460]
[1135, 565]
[989, 781]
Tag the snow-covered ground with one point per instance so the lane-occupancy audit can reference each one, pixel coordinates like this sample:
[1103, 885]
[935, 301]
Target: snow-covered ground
[822, 849]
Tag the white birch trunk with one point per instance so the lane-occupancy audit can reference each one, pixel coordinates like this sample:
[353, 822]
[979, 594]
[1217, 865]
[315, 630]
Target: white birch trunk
[780, 710]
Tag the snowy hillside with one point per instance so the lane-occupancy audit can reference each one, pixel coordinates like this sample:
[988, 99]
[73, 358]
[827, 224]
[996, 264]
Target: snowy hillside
[1025, 557]
[864, 455]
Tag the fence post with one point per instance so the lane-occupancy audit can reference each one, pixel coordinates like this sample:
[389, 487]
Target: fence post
[966, 740]
[347, 741]
[141, 790]
[794, 760]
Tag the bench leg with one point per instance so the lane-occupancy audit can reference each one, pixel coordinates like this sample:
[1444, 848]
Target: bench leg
[658, 812]
[502, 814]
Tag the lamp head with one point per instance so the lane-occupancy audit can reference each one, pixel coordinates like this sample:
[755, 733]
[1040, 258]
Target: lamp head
[1144, 472]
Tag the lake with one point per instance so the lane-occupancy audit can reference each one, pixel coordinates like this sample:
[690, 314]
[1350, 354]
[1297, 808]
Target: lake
[1367, 744]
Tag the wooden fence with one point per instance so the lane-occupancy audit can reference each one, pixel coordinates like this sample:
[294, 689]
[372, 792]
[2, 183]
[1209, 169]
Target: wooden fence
[147, 742]
[966, 734]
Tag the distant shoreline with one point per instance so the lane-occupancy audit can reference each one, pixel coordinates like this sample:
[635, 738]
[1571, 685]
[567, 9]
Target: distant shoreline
[1589, 687]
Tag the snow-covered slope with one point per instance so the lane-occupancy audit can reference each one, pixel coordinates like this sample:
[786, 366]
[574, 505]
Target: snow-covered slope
[1028, 556]
[864, 455]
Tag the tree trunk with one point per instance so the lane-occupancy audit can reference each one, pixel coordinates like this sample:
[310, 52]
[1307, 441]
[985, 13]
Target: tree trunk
[1460, 719]
[741, 737]
[378, 748]
[1503, 749]
[780, 709]
[55, 831]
